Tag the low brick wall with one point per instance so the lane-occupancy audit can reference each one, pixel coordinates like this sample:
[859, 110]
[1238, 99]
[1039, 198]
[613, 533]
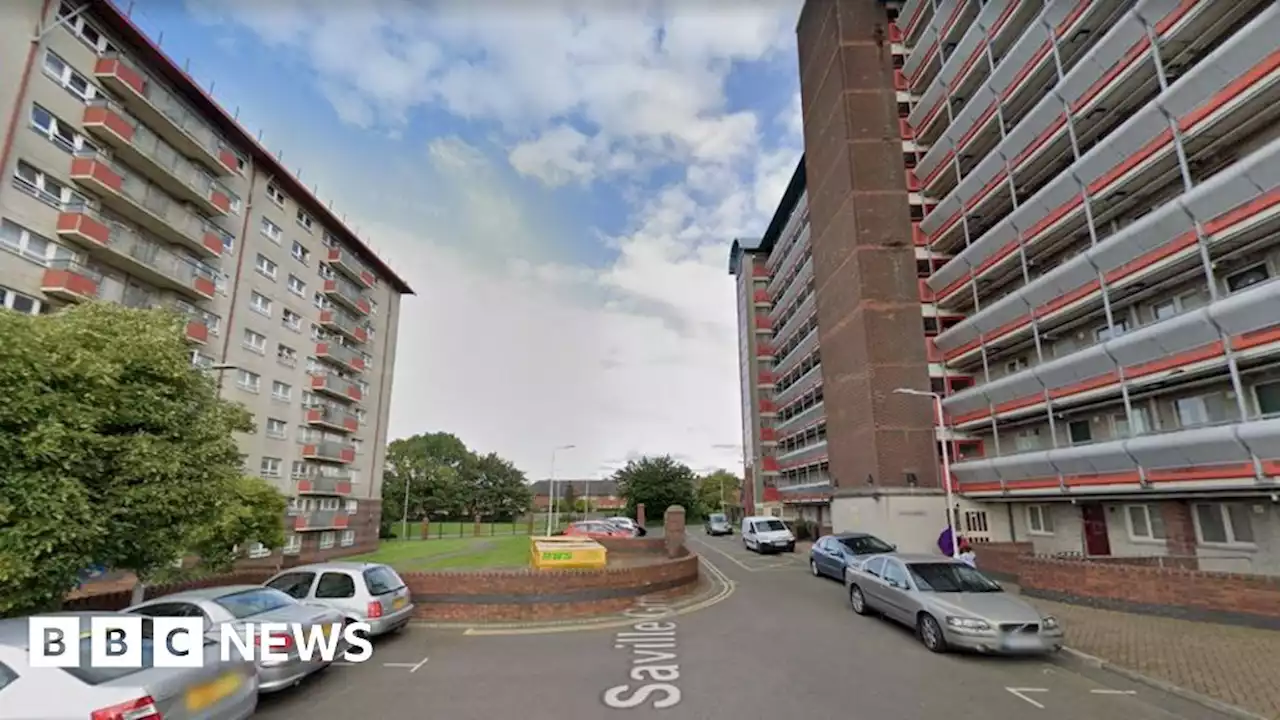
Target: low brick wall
[1000, 560]
[118, 598]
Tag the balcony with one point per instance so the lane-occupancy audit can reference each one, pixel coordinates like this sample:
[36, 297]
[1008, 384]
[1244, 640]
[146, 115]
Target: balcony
[764, 350]
[340, 355]
[768, 408]
[808, 455]
[768, 436]
[806, 384]
[146, 204]
[759, 272]
[329, 451]
[333, 418]
[321, 520]
[348, 264]
[69, 281]
[798, 352]
[117, 244]
[346, 325]
[1239, 205]
[160, 109]
[154, 158]
[765, 379]
[762, 324]
[803, 420]
[336, 387]
[760, 297]
[769, 465]
[339, 485]
[347, 294]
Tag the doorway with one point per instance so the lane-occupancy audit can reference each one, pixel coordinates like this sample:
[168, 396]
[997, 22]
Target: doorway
[1096, 541]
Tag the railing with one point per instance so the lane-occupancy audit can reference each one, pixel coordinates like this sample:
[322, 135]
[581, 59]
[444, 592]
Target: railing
[128, 242]
[325, 484]
[344, 321]
[330, 450]
[341, 354]
[331, 415]
[191, 123]
[321, 519]
[348, 290]
[157, 201]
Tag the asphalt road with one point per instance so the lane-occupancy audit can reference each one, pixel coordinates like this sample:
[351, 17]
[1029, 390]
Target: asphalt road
[780, 642]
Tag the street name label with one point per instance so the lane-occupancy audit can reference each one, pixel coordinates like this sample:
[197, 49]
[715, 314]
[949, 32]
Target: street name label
[654, 661]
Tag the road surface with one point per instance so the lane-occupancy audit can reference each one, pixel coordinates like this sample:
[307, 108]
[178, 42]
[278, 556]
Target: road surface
[778, 643]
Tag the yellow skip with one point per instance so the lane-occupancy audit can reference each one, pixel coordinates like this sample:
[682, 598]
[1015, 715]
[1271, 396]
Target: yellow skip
[549, 553]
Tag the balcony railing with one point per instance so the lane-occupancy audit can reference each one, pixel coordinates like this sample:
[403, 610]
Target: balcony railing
[120, 245]
[335, 320]
[163, 164]
[348, 294]
[348, 264]
[69, 281]
[329, 451]
[807, 455]
[146, 204]
[325, 485]
[333, 417]
[336, 387]
[321, 520]
[340, 355]
[159, 108]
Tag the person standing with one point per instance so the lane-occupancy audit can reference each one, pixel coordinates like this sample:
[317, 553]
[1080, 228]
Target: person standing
[967, 555]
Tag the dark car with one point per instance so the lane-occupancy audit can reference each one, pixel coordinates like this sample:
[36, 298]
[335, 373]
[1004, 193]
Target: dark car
[831, 554]
[717, 524]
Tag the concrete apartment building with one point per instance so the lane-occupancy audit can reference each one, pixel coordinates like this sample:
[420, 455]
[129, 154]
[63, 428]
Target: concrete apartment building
[129, 184]
[1087, 193]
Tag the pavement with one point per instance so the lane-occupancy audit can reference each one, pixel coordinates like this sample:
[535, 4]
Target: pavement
[765, 641]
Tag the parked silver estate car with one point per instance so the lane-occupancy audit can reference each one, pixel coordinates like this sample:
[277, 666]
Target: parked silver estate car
[236, 605]
[215, 691]
[362, 592]
[950, 604]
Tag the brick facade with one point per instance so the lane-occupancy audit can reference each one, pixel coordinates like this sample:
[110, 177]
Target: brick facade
[364, 523]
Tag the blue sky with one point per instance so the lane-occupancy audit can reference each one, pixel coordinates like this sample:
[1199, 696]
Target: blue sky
[559, 183]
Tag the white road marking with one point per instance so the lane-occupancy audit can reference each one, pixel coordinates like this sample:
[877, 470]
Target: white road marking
[1021, 693]
[1114, 692]
[344, 663]
[413, 667]
[726, 555]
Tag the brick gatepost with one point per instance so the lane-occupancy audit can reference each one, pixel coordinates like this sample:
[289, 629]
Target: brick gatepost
[640, 514]
[673, 530]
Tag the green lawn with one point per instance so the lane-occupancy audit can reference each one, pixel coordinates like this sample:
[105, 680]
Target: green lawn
[452, 553]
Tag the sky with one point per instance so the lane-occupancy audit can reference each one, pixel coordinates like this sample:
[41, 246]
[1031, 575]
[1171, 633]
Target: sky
[558, 181]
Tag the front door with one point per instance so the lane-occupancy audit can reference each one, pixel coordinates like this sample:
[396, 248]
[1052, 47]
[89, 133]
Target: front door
[1095, 530]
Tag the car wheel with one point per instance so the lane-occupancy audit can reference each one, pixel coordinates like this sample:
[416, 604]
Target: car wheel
[813, 566]
[857, 600]
[931, 634]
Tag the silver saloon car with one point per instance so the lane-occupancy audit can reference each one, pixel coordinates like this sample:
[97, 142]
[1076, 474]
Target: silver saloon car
[951, 605]
[362, 592]
[237, 605]
[216, 690]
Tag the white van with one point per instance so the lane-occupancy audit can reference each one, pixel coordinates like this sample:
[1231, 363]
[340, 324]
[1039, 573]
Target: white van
[766, 534]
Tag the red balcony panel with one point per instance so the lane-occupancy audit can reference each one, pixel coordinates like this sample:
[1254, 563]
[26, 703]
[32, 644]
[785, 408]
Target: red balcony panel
[229, 160]
[918, 236]
[353, 392]
[304, 485]
[895, 33]
[760, 272]
[764, 349]
[931, 351]
[769, 464]
[68, 285]
[74, 223]
[204, 286]
[220, 200]
[913, 184]
[905, 130]
[926, 293]
[367, 278]
[342, 521]
[107, 118]
[97, 172]
[761, 296]
[768, 406]
[348, 455]
[900, 81]
[365, 307]
[771, 494]
[768, 434]
[362, 335]
[114, 67]
[197, 332]
[344, 487]
[300, 522]
[766, 378]
[762, 323]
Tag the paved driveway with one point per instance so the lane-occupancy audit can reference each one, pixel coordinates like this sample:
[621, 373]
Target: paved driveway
[780, 642]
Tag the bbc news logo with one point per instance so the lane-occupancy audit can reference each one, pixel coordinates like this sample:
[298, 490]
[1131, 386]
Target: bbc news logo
[117, 642]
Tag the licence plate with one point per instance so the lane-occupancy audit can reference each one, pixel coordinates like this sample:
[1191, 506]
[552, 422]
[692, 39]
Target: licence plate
[203, 696]
[1022, 643]
[399, 603]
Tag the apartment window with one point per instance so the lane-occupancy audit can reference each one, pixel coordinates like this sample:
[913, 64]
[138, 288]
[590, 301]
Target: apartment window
[270, 467]
[362, 416]
[357, 445]
[201, 360]
[373, 307]
[1040, 519]
[297, 286]
[266, 266]
[1245, 278]
[318, 334]
[1224, 524]
[276, 196]
[1268, 397]
[299, 468]
[352, 506]
[272, 231]
[348, 538]
[1141, 423]
[326, 272]
[320, 301]
[33, 247]
[1080, 432]
[1027, 440]
[75, 83]
[331, 504]
[17, 302]
[326, 540]
[260, 303]
[330, 240]
[310, 399]
[46, 189]
[281, 391]
[292, 544]
[301, 253]
[1145, 523]
[1164, 310]
[307, 434]
[1014, 366]
[255, 341]
[286, 355]
[1105, 333]
[59, 132]
[364, 387]
[305, 221]
[277, 428]
[1191, 411]
[248, 381]
[292, 320]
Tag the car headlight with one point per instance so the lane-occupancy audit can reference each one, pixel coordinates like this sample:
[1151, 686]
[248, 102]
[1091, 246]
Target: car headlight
[1049, 622]
[965, 623]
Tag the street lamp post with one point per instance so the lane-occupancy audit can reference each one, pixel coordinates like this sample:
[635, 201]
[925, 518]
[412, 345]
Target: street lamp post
[551, 487]
[946, 459]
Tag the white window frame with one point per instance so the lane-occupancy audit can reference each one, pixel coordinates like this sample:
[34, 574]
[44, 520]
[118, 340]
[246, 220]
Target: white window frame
[286, 355]
[291, 320]
[18, 240]
[248, 381]
[292, 544]
[260, 304]
[266, 266]
[8, 296]
[301, 253]
[1227, 523]
[1172, 302]
[80, 27]
[330, 504]
[41, 186]
[272, 231]
[1045, 514]
[281, 391]
[276, 194]
[77, 143]
[326, 540]
[1266, 271]
[1203, 407]
[1149, 511]
[64, 76]
[257, 551]
[1257, 399]
[348, 538]
[352, 506]
[297, 285]
[305, 221]
[254, 341]
[270, 466]
[277, 428]
[326, 272]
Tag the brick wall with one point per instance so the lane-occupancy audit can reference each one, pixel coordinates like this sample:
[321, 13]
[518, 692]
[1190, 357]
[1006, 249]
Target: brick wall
[117, 598]
[1001, 559]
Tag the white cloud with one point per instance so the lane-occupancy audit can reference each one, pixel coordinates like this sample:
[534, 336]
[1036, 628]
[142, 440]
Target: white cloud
[512, 344]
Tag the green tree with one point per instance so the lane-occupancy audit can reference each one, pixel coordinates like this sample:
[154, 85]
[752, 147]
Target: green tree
[717, 490]
[658, 482]
[444, 478]
[117, 452]
[568, 499]
[495, 487]
[250, 512]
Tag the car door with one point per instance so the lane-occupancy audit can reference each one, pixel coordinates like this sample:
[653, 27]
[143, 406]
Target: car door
[338, 590]
[869, 581]
[296, 585]
[895, 585]
[749, 534]
[828, 559]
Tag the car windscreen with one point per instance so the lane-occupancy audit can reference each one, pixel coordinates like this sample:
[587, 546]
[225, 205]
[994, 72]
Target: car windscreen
[769, 525]
[382, 579]
[97, 675]
[866, 545]
[254, 602]
[950, 577]
[717, 518]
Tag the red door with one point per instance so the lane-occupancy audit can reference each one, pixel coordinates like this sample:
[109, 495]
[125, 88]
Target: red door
[1095, 530]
